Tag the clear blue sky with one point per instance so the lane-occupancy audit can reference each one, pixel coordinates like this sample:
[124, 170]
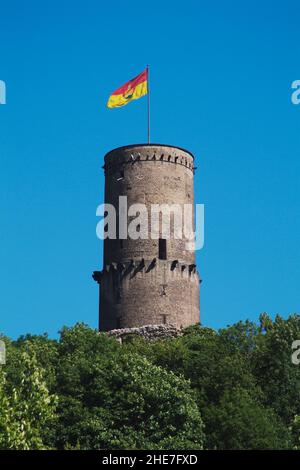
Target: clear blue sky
[221, 78]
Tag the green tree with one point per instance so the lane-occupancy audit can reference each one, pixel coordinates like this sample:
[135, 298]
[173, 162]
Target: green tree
[272, 366]
[239, 421]
[114, 399]
[149, 395]
[27, 410]
[5, 412]
[221, 369]
[295, 430]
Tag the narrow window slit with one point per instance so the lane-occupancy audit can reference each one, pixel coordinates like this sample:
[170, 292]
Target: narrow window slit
[162, 248]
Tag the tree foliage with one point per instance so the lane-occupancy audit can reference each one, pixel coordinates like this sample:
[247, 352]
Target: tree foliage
[27, 408]
[235, 388]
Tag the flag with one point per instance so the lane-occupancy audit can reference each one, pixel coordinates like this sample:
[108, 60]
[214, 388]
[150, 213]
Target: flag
[131, 90]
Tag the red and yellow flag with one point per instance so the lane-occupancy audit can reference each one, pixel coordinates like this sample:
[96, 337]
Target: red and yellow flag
[131, 90]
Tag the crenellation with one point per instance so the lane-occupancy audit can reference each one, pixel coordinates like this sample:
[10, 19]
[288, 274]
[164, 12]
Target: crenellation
[146, 266]
[134, 158]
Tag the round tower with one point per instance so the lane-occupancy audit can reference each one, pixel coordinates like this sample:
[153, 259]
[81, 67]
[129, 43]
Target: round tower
[148, 278]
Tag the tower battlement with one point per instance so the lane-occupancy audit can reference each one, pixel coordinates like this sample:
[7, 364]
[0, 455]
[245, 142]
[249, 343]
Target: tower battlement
[132, 268]
[115, 161]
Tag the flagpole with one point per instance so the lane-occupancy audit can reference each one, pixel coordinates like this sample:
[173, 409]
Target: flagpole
[148, 101]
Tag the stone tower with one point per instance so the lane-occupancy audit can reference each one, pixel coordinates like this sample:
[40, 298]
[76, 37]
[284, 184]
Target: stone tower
[148, 281]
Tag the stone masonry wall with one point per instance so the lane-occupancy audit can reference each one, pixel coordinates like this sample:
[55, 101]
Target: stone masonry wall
[136, 287]
[148, 332]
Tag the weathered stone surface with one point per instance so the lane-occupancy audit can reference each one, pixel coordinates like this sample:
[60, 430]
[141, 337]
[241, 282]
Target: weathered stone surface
[136, 286]
[149, 332]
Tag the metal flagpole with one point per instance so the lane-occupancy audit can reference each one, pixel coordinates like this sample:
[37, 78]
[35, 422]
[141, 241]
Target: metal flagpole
[148, 101]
